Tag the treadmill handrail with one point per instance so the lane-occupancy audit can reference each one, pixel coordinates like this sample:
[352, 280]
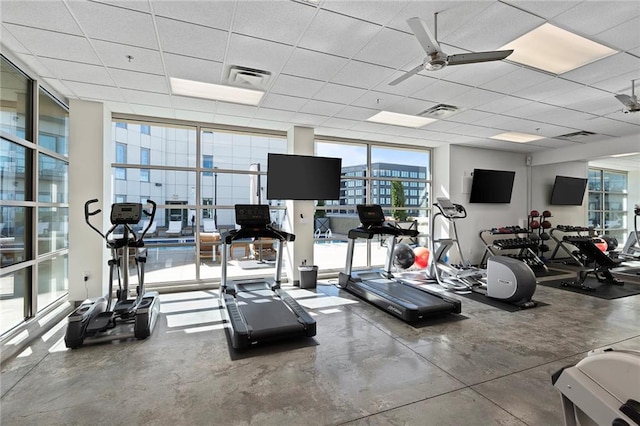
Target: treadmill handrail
[370, 231]
[257, 232]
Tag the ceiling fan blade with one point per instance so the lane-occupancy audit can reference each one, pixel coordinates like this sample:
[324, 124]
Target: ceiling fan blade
[472, 58]
[626, 100]
[424, 35]
[406, 75]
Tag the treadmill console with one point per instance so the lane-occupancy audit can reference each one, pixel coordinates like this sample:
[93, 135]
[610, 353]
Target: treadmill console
[370, 214]
[252, 215]
[126, 213]
[450, 210]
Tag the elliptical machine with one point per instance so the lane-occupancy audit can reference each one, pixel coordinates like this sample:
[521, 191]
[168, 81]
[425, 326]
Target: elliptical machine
[631, 250]
[98, 319]
[505, 279]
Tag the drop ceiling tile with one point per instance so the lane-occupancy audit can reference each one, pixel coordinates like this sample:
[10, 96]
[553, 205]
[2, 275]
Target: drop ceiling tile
[282, 102]
[273, 114]
[10, 42]
[343, 28]
[390, 48]
[442, 91]
[139, 81]
[255, 53]
[153, 111]
[564, 117]
[480, 74]
[473, 131]
[46, 15]
[302, 119]
[619, 84]
[624, 36]
[604, 69]
[114, 55]
[443, 126]
[587, 17]
[518, 80]
[494, 27]
[378, 12]
[468, 116]
[55, 45]
[338, 93]
[231, 120]
[147, 98]
[228, 108]
[474, 98]
[357, 113]
[574, 98]
[611, 126]
[327, 132]
[547, 88]
[141, 6]
[215, 14]
[124, 25]
[551, 142]
[296, 86]
[377, 100]
[193, 68]
[279, 21]
[321, 108]
[546, 9]
[58, 89]
[190, 115]
[35, 66]
[529, 109]
[191, 40]
[315, 65]
[339, 123]
[411, 106]
[408, 87]
[268, 125]
[504, 105]
[360, 74]
[366, 126]
[119, 107]
[74, 71]
[94, 91]
[193, 104]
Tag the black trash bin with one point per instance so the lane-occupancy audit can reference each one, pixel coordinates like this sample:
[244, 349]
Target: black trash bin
[308, 276]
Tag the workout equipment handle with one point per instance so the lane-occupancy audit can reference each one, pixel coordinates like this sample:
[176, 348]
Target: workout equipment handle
[88, 214]
[152, 214]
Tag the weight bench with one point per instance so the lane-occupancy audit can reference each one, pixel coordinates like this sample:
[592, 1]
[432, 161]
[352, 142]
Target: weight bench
[602, 264]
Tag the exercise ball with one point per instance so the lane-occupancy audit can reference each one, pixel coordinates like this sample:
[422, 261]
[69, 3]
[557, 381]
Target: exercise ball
[421, 257]
[403, 256]
[612, 242]
[600, 243]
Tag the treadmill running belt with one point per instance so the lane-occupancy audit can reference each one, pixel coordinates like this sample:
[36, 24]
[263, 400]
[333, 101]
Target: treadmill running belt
[267, 316]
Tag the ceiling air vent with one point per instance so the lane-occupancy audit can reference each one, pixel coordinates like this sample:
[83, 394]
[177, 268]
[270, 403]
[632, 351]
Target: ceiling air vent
[439, 111]
[576, 136]
[250, 78]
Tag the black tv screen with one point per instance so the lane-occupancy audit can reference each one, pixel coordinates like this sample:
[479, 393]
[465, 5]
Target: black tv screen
[303, 177]
[568, 191]
[491, 186]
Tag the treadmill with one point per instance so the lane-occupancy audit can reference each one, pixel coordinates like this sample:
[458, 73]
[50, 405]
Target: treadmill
[379, 287]
[258, 310]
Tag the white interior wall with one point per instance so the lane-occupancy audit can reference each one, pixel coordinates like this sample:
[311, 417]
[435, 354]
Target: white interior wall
[463, 160]
[89, 178]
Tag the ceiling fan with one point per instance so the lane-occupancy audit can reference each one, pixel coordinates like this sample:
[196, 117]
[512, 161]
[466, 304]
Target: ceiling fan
[436, 59]
[631, 102]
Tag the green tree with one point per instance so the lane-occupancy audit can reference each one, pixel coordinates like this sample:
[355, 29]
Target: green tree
[320, 212]
[398, 200]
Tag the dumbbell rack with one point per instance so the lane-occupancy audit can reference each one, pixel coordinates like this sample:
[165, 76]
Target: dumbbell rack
[568, 231]
[538, 224]
[498, 240]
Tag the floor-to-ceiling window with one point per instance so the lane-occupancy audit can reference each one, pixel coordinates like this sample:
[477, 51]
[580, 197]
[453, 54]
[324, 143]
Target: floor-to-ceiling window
[608, 202]
[33, 198]
[398, 179]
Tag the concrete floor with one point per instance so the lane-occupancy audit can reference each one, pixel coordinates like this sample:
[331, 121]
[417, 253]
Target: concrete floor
[364, 367]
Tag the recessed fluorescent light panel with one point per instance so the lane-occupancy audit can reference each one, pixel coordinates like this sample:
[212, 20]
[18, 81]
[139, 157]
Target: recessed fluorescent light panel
[516, 137]
[215, 92]
[553, 49]
[386, 117]
[629, 154]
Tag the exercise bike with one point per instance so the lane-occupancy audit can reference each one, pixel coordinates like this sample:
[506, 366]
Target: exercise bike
[101, 319]
[506, 279]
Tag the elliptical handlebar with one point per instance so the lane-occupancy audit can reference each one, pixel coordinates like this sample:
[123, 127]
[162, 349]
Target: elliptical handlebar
[450, 210]
[152, 215]
[88, 214]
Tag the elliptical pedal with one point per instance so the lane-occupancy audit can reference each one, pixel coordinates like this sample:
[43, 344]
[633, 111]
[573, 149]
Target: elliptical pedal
[101, 322]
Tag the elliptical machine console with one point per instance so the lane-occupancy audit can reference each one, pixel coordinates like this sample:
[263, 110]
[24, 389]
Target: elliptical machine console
[505, 279]
[98, 319]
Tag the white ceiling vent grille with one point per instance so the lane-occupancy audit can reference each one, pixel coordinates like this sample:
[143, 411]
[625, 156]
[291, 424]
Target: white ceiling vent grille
[250, 78]
[439, 111]
[579, 136]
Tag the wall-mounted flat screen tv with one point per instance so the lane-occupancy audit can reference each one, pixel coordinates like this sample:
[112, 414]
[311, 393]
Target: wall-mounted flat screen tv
[491, 186]
[303, 177]
[568, 191]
